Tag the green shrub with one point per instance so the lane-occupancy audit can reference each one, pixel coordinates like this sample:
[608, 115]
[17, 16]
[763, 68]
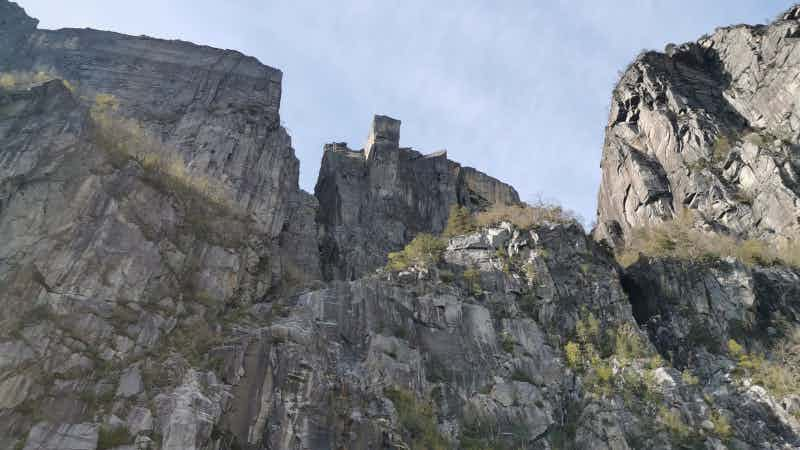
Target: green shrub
[722, 427]
[627, 343]
[530, 273]
[599, 377]
[720, 150]
[688, 378]
[674, 424]
[507, 342]
[521, 376]
[525, 215]
[572, 352]
[424, 251]
[472, 277]
[110, 437]
[417, 419]
[446, 276]
[679, 239]
[587, 329]
[779, 379]
[459, 221]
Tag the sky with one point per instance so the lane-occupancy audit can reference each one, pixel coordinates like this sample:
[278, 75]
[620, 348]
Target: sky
[518, 89]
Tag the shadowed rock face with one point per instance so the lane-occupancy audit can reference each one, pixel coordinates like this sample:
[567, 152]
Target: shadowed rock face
[375, 201]
[215, 110]
[711, 126]
[703, 305]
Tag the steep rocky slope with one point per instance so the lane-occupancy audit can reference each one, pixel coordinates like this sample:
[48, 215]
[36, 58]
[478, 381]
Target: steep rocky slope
[142, 198]
[166, 285]
[711, 126]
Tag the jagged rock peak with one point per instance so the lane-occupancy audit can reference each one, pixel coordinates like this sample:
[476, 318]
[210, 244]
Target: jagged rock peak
[384, 136]
[792, 13]
[374, 201]
[384, 133]
[710, 126]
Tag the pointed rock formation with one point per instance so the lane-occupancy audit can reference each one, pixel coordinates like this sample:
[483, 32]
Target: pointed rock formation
[711, 126]
[374, 201]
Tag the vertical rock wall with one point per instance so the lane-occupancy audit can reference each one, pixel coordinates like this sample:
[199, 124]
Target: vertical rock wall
[375, 201]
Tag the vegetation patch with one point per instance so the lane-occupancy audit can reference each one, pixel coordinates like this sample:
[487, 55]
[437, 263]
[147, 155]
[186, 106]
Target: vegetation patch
[780, 378]
[424, 251]
[27, 80]
[110, 437]
[507, 342]
[417, 418]
[591, 352]
[202, 198]
[680, 432]
[485, 433]
[678, 239]
[525, 215]
[472, 279]
[721, 149]
[722, 426]
[460, 221]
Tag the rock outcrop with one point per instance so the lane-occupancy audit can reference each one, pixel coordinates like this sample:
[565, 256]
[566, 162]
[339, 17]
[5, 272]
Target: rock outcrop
[375, 200]
[711, 126]
[696, 307]
[147, 191]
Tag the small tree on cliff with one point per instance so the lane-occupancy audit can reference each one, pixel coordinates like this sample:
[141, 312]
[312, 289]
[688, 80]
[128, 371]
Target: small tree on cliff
[424, 251]
[460, 221]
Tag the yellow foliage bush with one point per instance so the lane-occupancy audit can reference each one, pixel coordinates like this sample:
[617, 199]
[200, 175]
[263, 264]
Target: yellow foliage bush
[679, 239]
[525, 215]
[472, 277]
[778, 378]
[459, 221]
[424, 250]
[722, 427]
[27, 80]
[125, 139]
[572, 352]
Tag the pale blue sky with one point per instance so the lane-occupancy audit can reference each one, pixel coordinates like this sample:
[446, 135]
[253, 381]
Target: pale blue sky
[518, 89]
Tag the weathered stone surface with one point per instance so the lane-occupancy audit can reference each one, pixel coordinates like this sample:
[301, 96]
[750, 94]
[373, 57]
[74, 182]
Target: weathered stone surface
[139, 420]
[711, 126]
[130, 382]
[45, 436]
[109, 260]
[375, 201]
[192, 319]
[694, 307]
[341, 346]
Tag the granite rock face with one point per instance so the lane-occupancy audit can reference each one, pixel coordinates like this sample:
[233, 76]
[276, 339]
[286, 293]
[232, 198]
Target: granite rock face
[711, 126]
[488, 359]
[147, 190]
[165, 284]
[375, 200]
[693, 308]
[484, 360]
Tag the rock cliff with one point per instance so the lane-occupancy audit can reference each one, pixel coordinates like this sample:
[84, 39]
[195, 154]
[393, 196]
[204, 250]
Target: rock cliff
[710, 126]
[165, 284]
[375, 200]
